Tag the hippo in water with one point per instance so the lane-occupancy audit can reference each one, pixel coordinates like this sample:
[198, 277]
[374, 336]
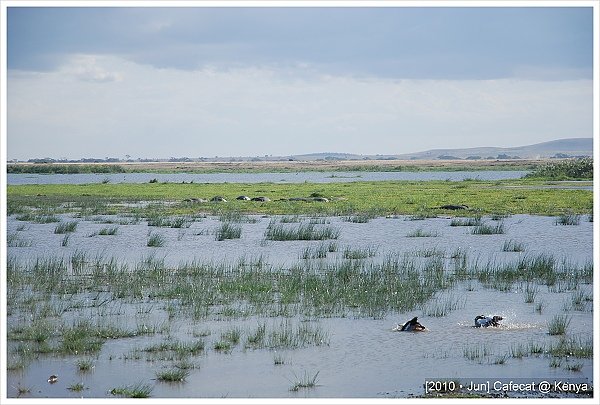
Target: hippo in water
[218, 198]
[243, 198]
[411, 326]
[261, 199]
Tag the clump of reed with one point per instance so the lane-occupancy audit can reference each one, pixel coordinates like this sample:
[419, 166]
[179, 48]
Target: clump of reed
[173, 349]
[13, 240]
[577, 346]
[76, 387]
[320, 251]
[38, 218]
[513, 246]
[139, 390]
[420, 233]
[156, 240]
[575, 367]
[361, 218]
[236, 217]
[290, 219]
[233, 335]
[158, 220]
[359, 253]
[172, 375]
[518, 351]
[471, 221]
[112, 230]
[486, 229]
[579, 300]
[304, 381]
[568, 218]
[228, 230]
[278, 232]
[530, 293]
[476, 352]
[558, 325]
[84, 365]
[222, 346]
[441, 306]
[65, 227]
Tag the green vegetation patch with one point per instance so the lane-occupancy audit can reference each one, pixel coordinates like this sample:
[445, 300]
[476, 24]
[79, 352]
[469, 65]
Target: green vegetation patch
[569, 169]
[422, 199]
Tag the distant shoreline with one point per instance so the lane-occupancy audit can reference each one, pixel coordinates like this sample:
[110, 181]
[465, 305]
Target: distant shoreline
[286, 166]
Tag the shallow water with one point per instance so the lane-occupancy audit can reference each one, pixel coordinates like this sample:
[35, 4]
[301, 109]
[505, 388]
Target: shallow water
[363, 357]
[295, 177]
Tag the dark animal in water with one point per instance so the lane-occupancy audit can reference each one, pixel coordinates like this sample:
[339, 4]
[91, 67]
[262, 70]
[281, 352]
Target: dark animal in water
[243, 198]
[411, 326]
[485, 321]
[262, 199]
[454, 207]
[218, 198]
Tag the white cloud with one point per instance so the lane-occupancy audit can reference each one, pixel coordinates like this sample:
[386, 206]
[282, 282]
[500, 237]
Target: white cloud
[88, 68]
[106, 106]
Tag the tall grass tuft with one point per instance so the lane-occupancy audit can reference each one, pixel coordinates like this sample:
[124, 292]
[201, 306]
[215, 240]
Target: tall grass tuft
[568, 218]
[108, 230]
[173, 375]
[65, 227]
[228, 230]
[360, 253]
[139, 390]
[476, 352]
[441, 306]
[279, 232]
[471, 221]
[156, 240]
[513, 246]
[420, 233]
[530, 293]
[305, 381]
[485, 229]
[558, 325]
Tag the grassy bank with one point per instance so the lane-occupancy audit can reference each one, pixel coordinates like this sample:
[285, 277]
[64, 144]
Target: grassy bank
[276, 166]
[421, 199]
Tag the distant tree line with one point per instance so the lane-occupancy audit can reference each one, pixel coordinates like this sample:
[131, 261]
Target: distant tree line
[63, 169]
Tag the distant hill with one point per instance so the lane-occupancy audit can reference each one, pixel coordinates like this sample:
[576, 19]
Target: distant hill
[561, 148]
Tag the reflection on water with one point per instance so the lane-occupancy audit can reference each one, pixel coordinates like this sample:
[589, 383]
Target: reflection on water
[363, 357]
[297, 177]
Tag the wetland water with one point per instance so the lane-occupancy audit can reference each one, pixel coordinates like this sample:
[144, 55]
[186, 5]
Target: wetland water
[351, 346]
[295, 177]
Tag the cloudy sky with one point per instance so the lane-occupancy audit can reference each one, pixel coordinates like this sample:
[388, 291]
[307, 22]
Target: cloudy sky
[170, 82]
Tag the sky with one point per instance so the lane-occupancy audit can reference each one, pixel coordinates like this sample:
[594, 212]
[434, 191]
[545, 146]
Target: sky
[160, 82]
